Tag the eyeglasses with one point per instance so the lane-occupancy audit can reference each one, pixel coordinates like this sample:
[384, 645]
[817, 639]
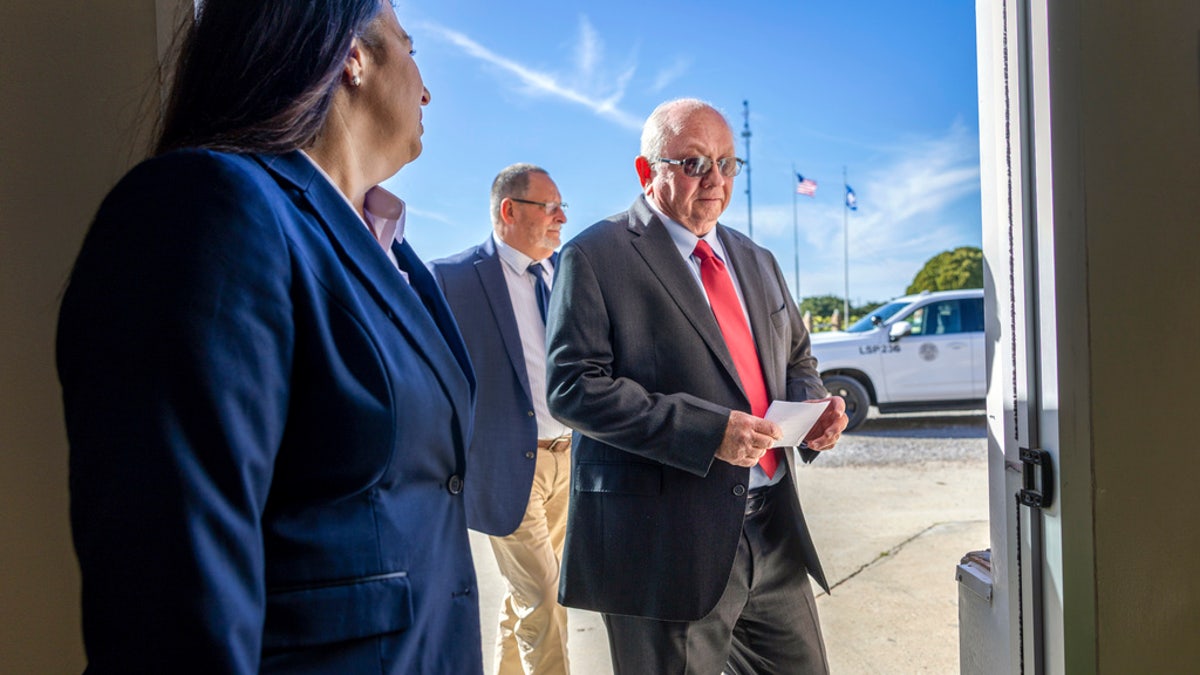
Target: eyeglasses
[700, 166]
[548, 207]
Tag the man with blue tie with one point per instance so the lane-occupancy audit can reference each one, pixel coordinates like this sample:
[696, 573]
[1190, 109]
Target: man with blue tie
[519, 463]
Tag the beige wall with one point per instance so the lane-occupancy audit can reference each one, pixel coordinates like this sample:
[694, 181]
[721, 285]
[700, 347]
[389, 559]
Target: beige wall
[72, 75]
[1138, 166]
[1090, 147]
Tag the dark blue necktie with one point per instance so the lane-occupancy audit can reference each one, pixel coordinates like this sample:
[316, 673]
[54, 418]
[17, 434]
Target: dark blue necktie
[540, 288]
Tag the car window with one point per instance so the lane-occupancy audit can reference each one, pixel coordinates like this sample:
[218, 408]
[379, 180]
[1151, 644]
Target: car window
[972, 315]
[937, 318]
[882, 314]
[917, 320]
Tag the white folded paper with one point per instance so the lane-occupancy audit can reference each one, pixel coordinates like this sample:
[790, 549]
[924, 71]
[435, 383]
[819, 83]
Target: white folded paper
[795, 418]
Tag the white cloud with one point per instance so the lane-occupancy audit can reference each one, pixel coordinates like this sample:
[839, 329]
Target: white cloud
[669, 74]
[900, 204]
[590, 49]
[585, 86]
[430, 215]
[902, 221]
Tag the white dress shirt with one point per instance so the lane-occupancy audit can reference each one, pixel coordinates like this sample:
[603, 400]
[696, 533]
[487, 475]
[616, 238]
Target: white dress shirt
[532, 329]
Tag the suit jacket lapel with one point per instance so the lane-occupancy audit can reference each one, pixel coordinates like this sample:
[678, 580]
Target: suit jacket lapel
[750, 278]
[423, 283]
[491, 277]
[662, 256]
[425, 322]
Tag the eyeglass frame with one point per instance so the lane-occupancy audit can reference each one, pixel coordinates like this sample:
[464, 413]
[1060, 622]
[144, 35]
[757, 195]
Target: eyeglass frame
[738, 163]
[548, 207]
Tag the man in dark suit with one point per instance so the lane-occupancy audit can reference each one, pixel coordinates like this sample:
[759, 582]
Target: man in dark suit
[519, 462]
[669, 334]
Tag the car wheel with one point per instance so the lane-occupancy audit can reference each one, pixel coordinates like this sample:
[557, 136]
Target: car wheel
[858, 402]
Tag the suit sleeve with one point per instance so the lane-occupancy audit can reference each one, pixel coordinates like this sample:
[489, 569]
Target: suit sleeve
[803, 377]
[678, 429]
[174, 349]
[436, 271]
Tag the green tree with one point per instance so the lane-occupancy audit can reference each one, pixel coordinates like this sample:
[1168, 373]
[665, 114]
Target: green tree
[821, 305]
[950, 270]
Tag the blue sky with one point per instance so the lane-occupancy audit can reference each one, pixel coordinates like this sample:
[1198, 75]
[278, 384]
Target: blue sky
[886, 89]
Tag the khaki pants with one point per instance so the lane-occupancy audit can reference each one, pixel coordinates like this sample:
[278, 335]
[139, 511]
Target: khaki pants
[532, 639]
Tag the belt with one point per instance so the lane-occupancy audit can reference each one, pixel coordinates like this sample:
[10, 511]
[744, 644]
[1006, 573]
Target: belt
[757, 498]
[555, 444]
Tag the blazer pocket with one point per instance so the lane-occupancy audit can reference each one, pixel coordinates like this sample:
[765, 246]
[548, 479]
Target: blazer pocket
[779, 319]
[626, 479]
[345, 610]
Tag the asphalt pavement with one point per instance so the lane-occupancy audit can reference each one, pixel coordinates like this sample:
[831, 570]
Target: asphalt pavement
[892, 510]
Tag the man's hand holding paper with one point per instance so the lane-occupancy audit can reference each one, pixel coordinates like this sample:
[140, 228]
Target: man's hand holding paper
[819, 422]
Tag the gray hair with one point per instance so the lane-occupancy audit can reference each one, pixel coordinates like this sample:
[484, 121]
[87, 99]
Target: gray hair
[512, 181]
[667, 121]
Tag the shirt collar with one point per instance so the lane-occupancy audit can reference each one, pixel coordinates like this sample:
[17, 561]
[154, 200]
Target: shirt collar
[385, 212]
[686, 240]
[515, 259]
[386, 216]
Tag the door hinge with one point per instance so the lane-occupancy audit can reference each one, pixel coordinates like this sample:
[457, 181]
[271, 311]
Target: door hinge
[1037, 474]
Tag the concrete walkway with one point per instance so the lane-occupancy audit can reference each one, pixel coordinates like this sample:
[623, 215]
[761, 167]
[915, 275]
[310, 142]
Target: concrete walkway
[889, 537]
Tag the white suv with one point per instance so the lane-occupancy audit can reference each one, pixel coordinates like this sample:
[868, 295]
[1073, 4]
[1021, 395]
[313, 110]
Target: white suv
[918, 352]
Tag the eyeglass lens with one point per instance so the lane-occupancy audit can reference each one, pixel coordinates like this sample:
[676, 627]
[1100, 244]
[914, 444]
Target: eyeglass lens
[548, 207]
[700, 166]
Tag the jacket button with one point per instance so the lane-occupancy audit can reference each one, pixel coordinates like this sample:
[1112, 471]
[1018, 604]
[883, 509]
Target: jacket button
[530, 413]
[530, 455]
[739, 490]
[455, 484]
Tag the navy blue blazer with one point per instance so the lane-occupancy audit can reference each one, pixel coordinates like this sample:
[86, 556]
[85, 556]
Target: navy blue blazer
[503, 453]
[268, 430]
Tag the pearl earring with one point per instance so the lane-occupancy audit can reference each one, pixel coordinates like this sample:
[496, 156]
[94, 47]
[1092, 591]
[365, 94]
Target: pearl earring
[356, 81]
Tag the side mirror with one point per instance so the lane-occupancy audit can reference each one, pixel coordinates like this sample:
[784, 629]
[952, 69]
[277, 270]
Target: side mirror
[899, 330]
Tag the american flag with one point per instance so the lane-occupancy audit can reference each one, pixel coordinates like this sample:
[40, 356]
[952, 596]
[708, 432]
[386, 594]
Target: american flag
[806, 186]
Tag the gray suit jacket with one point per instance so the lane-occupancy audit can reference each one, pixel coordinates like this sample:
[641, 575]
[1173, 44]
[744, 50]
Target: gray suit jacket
[639, 367]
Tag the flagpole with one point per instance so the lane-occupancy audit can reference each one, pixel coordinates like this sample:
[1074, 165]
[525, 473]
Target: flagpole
[796, 230]
[746, 135]
[846, 247]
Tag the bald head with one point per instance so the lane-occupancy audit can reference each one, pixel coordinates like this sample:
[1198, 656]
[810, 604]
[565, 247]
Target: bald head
[668, 119]
[679, 130]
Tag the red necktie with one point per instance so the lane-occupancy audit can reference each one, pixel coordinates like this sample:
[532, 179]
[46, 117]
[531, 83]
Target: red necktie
[728, 310]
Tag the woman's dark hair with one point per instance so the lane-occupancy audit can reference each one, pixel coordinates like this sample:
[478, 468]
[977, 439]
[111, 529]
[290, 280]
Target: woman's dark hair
[259, 75]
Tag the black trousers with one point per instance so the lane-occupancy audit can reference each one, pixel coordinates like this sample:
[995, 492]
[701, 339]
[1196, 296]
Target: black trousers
[764, 624]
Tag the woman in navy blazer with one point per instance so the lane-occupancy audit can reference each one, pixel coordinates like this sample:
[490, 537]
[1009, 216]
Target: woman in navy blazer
[266, 396]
